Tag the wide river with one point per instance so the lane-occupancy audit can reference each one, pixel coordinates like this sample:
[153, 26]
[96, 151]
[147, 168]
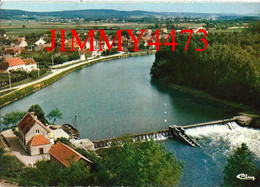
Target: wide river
[118, 97]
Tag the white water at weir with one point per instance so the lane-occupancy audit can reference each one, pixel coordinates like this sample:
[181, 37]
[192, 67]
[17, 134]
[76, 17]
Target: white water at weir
[155, 137]
[159, 136]
[231, 133]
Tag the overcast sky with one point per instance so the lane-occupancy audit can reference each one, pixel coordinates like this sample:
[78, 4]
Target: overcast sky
[237, 8]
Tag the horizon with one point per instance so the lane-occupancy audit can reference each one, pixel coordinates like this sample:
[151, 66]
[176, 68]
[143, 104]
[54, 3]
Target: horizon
[202, 8]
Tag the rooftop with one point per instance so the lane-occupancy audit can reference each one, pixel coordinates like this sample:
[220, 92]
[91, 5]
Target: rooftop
[14, 61]
[28, 121]
[65, 154]
[38, 140]
[29, 61]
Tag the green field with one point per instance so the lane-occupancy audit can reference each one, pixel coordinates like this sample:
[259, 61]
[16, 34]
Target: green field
[15, 28]
[20, 27]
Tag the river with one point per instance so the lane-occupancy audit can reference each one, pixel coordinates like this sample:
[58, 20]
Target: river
[117, 97]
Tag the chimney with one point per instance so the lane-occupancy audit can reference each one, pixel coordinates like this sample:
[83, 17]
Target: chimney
[32, 113]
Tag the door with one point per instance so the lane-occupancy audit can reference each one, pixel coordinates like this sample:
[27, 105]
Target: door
[41, 151]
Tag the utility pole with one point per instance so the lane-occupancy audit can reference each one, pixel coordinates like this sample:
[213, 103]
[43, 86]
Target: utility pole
[52, 58]
[9, 79]
[38, 69]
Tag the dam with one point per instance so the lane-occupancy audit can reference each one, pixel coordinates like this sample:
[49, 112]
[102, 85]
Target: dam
[178, 132]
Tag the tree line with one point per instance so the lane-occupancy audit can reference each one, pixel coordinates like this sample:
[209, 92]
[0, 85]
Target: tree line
[228, 68]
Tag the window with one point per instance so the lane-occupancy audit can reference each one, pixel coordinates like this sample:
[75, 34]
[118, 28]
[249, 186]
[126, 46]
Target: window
[37, 131]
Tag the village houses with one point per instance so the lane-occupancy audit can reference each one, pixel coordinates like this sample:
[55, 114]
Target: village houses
[38, 139]
[15, 64]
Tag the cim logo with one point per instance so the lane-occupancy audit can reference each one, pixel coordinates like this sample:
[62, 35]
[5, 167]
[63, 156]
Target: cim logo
[243, 176]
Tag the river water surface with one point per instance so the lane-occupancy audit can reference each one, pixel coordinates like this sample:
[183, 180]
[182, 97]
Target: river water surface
[118, 97]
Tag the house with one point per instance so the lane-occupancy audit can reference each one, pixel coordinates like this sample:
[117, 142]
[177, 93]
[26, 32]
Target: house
[65, 155]
[105, 47]
[33, 135]
[15, 64]
[30, 64]
[40, 42]
[149, 31]
[145, 40]
[164, 36]
[12, 52]
[199, 28]
[19, 42]
[68, 44]
[164, 30]
[42, 46]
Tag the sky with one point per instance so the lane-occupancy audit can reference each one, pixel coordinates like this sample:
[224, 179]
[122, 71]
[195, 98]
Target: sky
[227, 8]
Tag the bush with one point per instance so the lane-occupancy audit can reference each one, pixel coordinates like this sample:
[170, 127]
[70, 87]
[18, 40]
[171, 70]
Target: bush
[60, 59]
[73, 56]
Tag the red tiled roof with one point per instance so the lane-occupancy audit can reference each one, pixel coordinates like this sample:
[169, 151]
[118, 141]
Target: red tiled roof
[38, 140]
[65, 154]
[28, 121]
[29, 61]
[14, 61]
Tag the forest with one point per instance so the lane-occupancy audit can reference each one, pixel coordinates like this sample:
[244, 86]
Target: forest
[229, 67]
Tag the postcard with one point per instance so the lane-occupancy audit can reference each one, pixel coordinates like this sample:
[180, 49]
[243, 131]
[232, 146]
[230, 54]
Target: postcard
[130, 93]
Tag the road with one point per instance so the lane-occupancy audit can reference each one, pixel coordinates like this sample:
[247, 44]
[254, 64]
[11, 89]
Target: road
[55, 72]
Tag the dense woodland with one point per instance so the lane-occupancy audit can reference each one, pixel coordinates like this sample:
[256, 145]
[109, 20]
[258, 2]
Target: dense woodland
[228, 68]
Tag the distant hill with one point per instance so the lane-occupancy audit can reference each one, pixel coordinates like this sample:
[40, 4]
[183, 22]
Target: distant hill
[99, 13]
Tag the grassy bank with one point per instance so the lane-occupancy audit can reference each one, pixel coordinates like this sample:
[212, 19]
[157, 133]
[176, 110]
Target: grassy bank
[242, 109]
[20, 93]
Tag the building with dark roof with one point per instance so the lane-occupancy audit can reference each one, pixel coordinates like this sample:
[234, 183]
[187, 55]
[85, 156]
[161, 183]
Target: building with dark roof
[33, 135]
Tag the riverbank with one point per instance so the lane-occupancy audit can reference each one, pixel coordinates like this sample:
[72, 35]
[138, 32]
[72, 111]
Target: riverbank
[205, 95]
[29, 88]
[243, 110]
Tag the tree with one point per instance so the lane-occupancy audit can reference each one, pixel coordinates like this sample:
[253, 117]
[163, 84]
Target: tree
[75, 175]
[53, 174]
[64, 141]
[229, 67]
[10, 165]
[44, 174]
[38, 112]
[13, 118]
[141, 164]
[239, 162]
[54, 114]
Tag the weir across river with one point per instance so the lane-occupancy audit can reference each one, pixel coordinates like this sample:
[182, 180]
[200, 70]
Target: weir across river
[174, 131]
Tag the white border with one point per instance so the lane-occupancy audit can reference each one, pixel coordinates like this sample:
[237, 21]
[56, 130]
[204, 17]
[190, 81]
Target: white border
[133, 1]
